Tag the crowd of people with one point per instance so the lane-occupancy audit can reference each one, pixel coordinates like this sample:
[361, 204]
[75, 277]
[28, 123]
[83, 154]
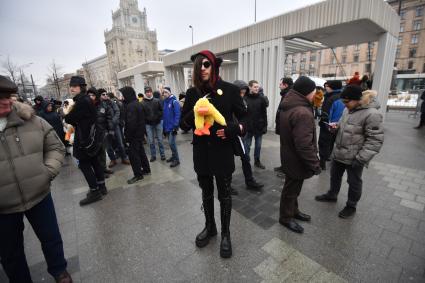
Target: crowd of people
[97, 124]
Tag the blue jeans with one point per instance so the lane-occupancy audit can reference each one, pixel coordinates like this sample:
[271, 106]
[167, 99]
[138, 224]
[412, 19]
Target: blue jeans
[116, 145]
[173, 146]
[42, 218]
[155, 132]
[257, 148]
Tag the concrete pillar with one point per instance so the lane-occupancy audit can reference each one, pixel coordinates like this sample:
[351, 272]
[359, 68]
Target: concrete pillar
[387, 45]
[139, 84]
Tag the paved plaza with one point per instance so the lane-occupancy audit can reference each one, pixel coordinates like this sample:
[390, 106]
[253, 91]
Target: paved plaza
[145, 232]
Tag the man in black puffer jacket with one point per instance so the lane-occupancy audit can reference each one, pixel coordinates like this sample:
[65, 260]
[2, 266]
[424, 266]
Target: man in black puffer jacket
[134, 131]
[86, 147]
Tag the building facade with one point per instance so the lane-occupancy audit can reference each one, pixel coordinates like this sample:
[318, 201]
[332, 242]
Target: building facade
[129, 42]
[98, 74]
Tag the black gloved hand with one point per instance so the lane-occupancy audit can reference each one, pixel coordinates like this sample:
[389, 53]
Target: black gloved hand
[232, 130]
[356, 164]
[174, 132]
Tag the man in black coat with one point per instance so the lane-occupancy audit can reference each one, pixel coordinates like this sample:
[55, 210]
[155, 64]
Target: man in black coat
[134, 131]
[87, 140]
[213, 155]
[256, 121]
[153, 123]
[285, 86]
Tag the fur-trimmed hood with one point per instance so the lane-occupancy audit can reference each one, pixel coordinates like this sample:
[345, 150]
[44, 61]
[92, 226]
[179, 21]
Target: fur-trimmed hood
[368, 100]
[24, 111]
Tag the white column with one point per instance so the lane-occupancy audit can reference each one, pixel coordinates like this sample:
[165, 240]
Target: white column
[387, 46]
[139, 85]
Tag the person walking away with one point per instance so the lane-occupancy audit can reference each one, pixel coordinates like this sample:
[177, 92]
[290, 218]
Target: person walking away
[171, 117]
[31, 155]
[54, 119]
[285, 86]
[39, 105]
[213, 155]
[298, 148]
[153, 123]
[327, 138]
[134, 132]
[256, 121]
[360, 136]
[87, 140]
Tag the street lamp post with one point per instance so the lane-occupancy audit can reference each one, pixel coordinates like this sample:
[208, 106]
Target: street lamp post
[22, 75]
[191, 27]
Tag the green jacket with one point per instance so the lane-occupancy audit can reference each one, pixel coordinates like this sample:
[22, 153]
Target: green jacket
[31, 155]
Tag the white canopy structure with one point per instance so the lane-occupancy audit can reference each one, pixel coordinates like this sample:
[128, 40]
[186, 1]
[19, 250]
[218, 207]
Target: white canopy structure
[258, 51]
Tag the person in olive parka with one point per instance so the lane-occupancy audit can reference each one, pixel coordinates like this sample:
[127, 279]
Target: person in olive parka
[213, 155]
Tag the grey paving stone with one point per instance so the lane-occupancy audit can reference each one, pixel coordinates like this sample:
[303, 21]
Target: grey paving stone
[396, 240]
[264, 221]
[416, 191]
[398, 187]
[420, 199]
[418, 249]
[412, 204]
[411, 276]
[404, 195]
[405, 220]
[411, 184]
[387, 224]
[406, 260]
[412, 233]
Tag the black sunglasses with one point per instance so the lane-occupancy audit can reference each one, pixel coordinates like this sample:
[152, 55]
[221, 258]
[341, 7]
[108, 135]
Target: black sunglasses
[206, 64]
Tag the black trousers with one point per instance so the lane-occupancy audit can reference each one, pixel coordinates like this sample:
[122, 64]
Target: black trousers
[422, 120]
[246, 168]
[93, 171]
[138, 158]
[326, 143]
[354, 180]
[42, 218]
[289, 198]
[206, 182]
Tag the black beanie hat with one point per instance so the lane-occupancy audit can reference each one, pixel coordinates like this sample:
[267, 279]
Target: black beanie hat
[334, 84]
[288, 81]
[352, 92]
[304, 85]
[7, 87]
[77, 81]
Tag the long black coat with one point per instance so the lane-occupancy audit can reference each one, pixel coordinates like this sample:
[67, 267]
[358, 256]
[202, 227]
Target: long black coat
[211, 154]
[54, 119]
[134, 118]
[257, 114]
[82, 117]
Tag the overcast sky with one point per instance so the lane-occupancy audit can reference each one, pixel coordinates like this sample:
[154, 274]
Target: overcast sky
[69, 31]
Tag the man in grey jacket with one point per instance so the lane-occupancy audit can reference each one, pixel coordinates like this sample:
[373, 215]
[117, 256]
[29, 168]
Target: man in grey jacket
[31, 155]
[360, 135]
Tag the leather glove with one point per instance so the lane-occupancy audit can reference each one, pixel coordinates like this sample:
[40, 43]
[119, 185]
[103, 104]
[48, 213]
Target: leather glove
[232, 130]
[174, 132]
[356, 164]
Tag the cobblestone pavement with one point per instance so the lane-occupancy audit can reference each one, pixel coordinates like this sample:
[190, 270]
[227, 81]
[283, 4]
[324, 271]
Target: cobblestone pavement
[145, 232]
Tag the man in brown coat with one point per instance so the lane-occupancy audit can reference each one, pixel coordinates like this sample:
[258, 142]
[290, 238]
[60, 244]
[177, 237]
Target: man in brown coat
[31, 155]
[298, 149]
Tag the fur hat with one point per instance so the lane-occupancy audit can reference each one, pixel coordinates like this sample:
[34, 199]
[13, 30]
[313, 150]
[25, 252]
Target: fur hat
[77, 81]
[352, 92]
[7, 87]
[304, 85]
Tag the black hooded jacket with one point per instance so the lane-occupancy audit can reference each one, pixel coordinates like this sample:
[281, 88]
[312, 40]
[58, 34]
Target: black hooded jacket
[154, 109]
[134, 115]
[283, 93]
[54, 119]
[256, 114]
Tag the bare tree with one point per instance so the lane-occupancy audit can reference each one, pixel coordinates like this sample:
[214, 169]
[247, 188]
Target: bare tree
[10, 68]
[54, 73]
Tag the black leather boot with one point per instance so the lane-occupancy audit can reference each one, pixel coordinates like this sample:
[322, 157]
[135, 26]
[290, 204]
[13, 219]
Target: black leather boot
[210, 230]
[92, 196]
[225, 212]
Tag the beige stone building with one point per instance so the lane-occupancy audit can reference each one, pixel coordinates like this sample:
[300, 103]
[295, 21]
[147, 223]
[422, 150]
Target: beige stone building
[97, 73]
[410, 55]
[129, 42]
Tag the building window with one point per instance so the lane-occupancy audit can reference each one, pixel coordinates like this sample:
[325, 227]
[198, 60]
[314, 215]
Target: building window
[356, 58]
[423, 68]
[419, 11]
[302, 66]
[397, 53]
[412, 52]
[357, 47]
[414, 39]
[344, 59]
[400, 40]
[312, 58]
[344, 49]
[402, 14]
[410, 65]
[417, 25]
[333, 60]
[402, 28]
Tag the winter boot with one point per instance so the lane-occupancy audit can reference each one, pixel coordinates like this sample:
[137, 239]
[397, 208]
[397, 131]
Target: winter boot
[92, 196]
[102, 189]
[210, 230]
[258, 164]
[323, 163]
[225, 212]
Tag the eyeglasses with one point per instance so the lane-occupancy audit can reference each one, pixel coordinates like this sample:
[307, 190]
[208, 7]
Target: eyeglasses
[206, 64]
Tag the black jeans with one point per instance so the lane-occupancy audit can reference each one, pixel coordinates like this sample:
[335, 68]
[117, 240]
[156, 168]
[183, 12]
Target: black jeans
[42, 218]
[289, 198]
[326, 143]
[93, 171]
[138, 158]
[246, 168]
[354, 181]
